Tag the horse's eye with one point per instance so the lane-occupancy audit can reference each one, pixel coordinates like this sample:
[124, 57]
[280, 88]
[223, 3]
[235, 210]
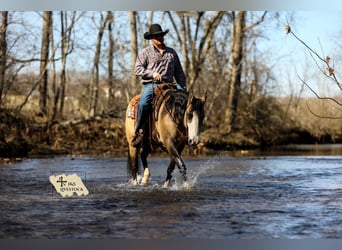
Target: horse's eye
[190, 116]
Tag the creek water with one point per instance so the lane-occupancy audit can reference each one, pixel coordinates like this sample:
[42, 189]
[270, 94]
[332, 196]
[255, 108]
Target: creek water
[287, 194]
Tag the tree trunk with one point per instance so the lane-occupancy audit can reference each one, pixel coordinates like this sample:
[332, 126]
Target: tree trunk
[95, 71]
[66, 50]
[43, 85]
[182, 38]
[53, 74]
[3, 51]
[59, 88]
[149, 23]
[134, 49]
[235, 61]
[110, 80]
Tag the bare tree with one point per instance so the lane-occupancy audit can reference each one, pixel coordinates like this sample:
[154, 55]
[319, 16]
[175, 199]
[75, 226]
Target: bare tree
[95, 70]
[238, 32]
[3, 51]
[195, 46]
[238, 23]
[43, 85]
[66, 48]
[110, 79]
[134, 48]
[149, 23]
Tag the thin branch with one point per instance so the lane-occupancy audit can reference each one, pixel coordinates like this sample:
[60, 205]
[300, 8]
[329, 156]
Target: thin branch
[174, 26]
[320, 116]
[35, 85]
[317, 95]
[326, 60]
[262, 18]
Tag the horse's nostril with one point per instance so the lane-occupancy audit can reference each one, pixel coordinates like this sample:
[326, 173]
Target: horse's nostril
[190, 141]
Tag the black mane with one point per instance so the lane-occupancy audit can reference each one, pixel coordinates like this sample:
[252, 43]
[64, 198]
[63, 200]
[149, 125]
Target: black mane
[176, 105]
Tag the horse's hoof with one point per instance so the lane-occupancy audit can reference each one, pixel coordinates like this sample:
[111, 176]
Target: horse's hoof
[187, 185]
[134, 182]
[166, 184]
[146, 178]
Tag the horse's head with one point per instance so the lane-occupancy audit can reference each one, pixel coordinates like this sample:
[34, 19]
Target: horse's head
[194, 116]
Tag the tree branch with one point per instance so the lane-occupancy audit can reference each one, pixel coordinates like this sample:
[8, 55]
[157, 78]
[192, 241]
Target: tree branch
[330, 70]
[256, 23]
[317, 95]
[320, 116]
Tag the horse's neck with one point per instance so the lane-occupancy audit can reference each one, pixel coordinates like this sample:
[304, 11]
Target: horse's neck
[176, 105]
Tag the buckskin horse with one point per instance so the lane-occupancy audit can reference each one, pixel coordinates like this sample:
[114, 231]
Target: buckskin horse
[175, 121]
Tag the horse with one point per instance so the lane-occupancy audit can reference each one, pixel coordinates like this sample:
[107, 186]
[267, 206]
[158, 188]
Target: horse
[176, 120]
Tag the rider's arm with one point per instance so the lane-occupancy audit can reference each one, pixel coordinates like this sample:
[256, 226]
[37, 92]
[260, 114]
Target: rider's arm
[141, 67]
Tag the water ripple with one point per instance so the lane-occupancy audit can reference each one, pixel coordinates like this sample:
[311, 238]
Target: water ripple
[238, 198]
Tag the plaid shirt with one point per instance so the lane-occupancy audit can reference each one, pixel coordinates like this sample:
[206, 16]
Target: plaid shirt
[167, 65]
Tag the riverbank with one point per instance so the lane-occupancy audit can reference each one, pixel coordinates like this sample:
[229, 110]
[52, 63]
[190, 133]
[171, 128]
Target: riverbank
[22, 138]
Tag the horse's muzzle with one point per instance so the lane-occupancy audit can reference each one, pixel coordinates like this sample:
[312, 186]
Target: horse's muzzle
[193, 141]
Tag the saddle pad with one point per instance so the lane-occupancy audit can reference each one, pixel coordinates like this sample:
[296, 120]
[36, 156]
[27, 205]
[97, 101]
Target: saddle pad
[133, 107]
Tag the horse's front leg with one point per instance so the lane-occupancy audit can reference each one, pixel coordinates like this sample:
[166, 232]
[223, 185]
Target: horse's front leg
[182, 168]
[170, 169]
[146, 178]
[175, 155]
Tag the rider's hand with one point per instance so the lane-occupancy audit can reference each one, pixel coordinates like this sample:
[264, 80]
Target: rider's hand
[156, 76]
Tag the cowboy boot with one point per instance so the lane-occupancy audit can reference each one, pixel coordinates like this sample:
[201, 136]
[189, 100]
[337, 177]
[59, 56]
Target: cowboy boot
[138, 139]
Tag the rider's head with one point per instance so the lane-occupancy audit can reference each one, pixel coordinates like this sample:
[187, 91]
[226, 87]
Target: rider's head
[156, 33]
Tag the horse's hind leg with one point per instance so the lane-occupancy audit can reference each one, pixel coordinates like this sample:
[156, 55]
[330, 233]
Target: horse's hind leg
[133, 163]
[146, 177]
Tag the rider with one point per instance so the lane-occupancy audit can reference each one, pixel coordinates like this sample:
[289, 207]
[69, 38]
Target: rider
[156, 64]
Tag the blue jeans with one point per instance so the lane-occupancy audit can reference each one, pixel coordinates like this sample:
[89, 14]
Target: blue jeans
[145, 104]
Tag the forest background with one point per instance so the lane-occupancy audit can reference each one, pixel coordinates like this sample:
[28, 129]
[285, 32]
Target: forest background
[66, 78]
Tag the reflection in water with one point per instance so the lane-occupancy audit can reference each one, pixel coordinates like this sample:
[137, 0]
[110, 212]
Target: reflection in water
[232, 198]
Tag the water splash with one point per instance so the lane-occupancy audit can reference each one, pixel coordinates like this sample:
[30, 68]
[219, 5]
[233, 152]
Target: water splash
[137, 185]
[177, 184]
[194, 175]
[203, 169]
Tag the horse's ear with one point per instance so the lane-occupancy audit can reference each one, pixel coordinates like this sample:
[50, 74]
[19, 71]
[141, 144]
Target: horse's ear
[204, 97]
